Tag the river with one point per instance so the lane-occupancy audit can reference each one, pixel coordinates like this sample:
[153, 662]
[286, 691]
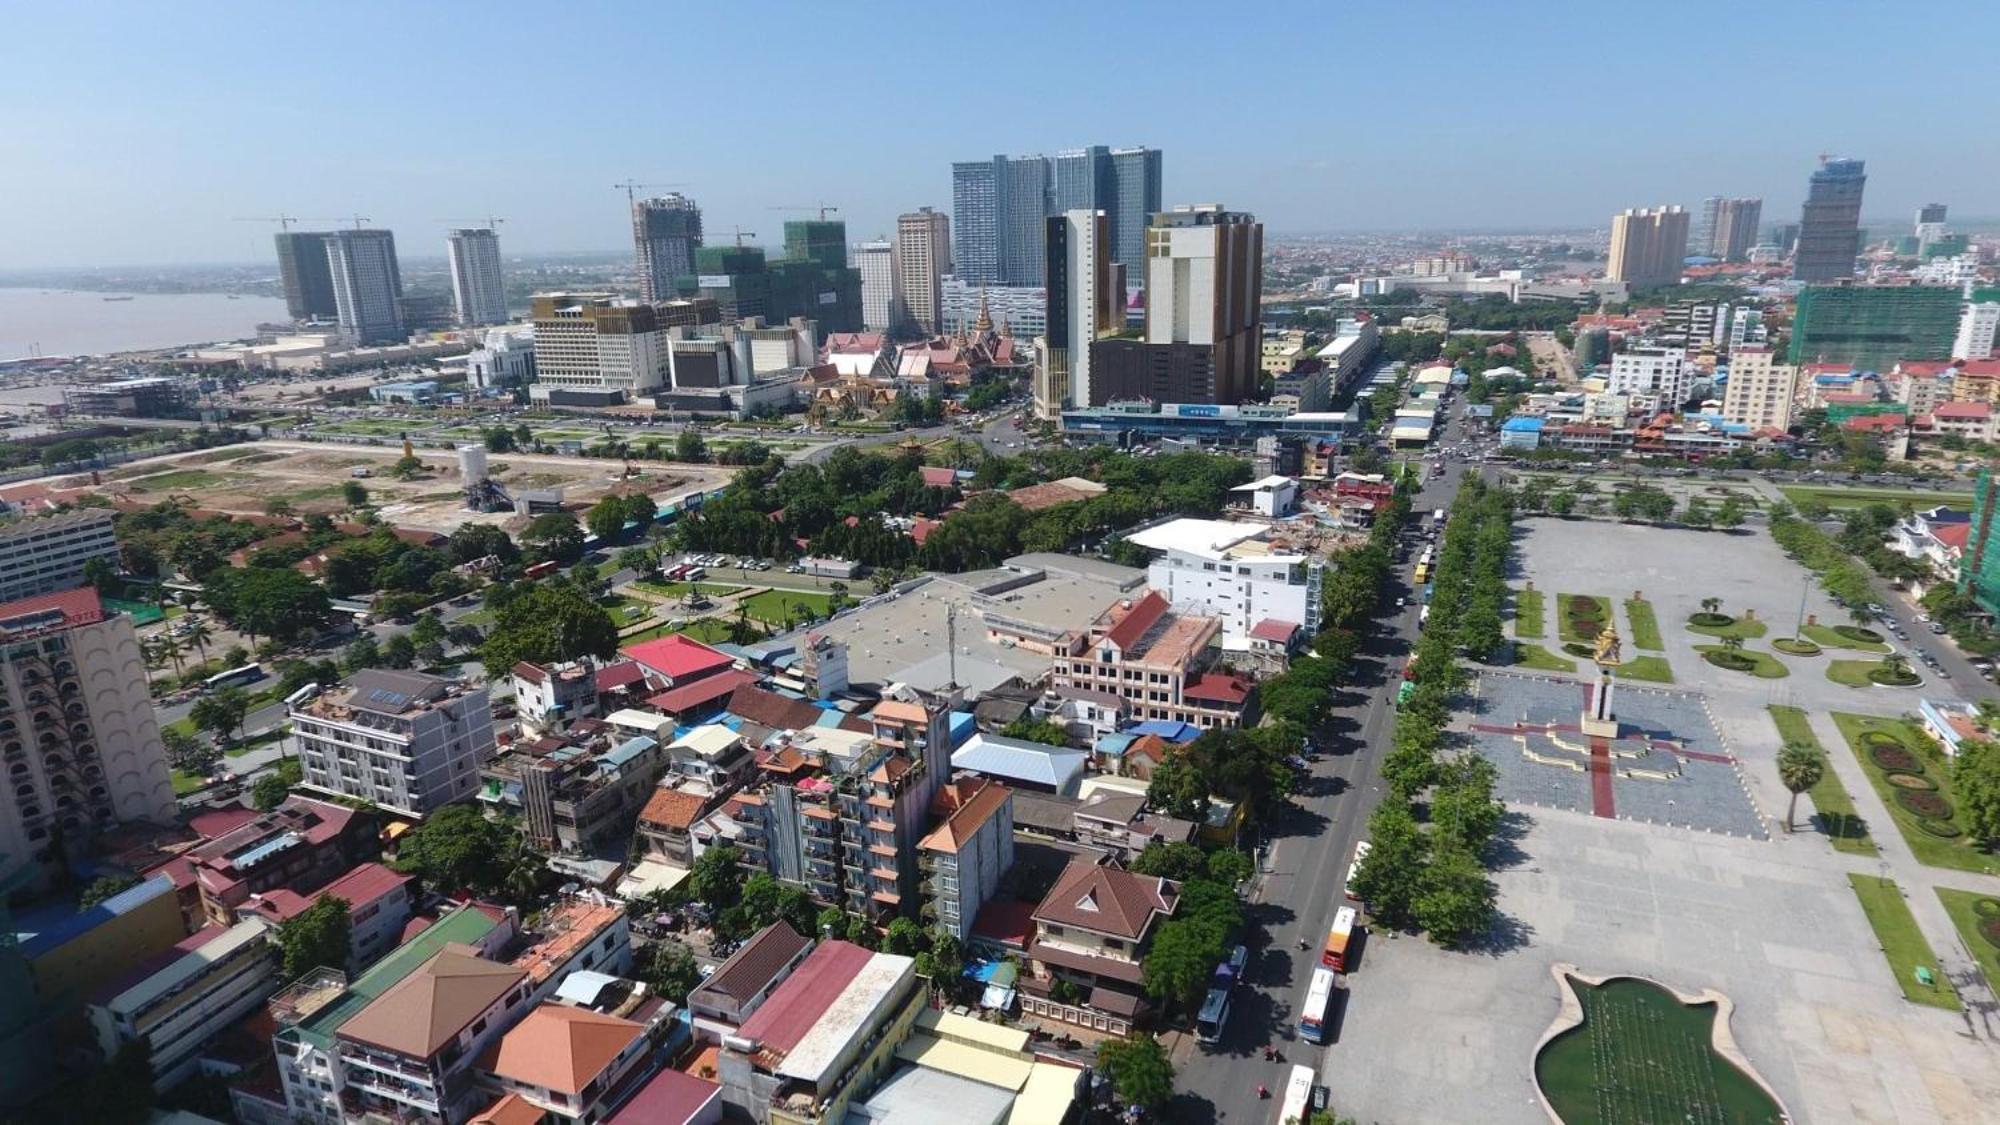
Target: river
[66, 322]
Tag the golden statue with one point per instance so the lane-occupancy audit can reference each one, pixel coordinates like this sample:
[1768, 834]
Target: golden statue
[1607, 647]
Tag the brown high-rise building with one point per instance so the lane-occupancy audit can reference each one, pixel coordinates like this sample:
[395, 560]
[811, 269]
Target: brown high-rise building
[1648, 246]
[922, 257]
[1204, 313]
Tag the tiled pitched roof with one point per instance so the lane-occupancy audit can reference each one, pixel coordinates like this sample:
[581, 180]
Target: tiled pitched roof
[561, 1048]
[751, 969]
[671, 808]
[432, 1005]
[972, 802]
[1144, 612]
[1107, 899]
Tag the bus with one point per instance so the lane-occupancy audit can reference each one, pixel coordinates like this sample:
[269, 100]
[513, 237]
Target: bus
[1214, 1014]
[1319, 997]
[1423, 573]
[1335, 955]
[1230, 970]
[1404, 692]
[248, 674]
[1361, 851]
[1298, 1097]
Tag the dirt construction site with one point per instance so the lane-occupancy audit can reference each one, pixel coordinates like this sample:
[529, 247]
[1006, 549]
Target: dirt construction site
[310, 478]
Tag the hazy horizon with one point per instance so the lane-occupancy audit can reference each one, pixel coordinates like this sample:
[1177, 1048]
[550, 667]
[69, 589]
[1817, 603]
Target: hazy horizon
[143, 131]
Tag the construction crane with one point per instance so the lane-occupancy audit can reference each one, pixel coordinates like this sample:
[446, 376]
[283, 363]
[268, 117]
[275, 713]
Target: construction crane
[742, 234]
[822, 208]
[284, 221]
[492, 222]
[632, 200]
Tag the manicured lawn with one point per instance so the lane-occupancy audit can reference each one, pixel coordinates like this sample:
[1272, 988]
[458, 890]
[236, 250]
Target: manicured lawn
[1828, 637]
[1653, 668]
[1862, 497]
[1958, 852]
[1838, 822]
[1529, 622]
[1764, 666]
[1854, 673]
[1793, 646]
[1540, 659]
[1566, 627]
[707, 630]
[1743, 627]
[1964, 914]
[773, 606]
[1645, 625]
[185, 783]
[682, 589]
[1902, 943]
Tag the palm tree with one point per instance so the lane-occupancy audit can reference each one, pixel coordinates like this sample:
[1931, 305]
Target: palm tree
[1732, 644]
[198, 634]
[171, 650]
[1711, 605]
[1896, 666]
[1800, 767]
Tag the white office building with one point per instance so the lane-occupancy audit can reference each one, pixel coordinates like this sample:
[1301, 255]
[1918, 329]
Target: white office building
[477, 286]
[1082, 305]
[506, 359]
[48, 553]
[877, 263]
[1663, 373]
[1977, 326]
[1227, 570]
[367, 285]
[1022, 310]
[1759, 391]
[404, 740]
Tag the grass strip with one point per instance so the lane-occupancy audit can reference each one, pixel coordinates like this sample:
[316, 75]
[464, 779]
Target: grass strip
[1902, 942]
[1834, 808]
[1645, 624]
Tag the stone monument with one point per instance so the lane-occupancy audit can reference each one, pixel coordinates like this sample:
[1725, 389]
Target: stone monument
[1599, 721]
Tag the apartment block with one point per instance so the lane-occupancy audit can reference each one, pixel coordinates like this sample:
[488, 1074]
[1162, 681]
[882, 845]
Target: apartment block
[181, 1000]
[1978, 324]
[78, 737]
[577, 790]
[404, 740]
[380, 902]
[1760, 392]
[411, 1051]
[301, 845]
[1229, 570]
[963, 859]
[1648, 246]
[1156, 660]
[921, 258]
[45, 554]
[1661, 373]
[572, 1063]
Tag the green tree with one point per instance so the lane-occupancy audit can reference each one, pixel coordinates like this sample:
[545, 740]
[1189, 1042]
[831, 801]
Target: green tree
[102, 576]
[455, 848]
[1387, 879]
[1182, 957]
[1464, 812]
[318, 936]
[221, 712]
[1045, 731]
[606, 518]
[407, 467]
[552, 622]
[904, 938]
[187, 753]
[272, 788]
[689, 447]
[717, 878]
[1454, 899]
[1178, 789]
[553, 536]
[353, 493]
[400, 651]
[1177, 861]
[428, 635]
[1562, 503]
[103, 887]
[1800, 767]
[1140, 1071]
[672, 971]
[1975, 779]
[198, 634]
[363, 652]
[1728, 514]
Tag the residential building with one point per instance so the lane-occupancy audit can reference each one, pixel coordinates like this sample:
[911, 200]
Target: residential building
[999, 205]
[380, 902]
[571, 1062]
[1660, 372]
[1937, 537]
[44, 554]
[577, 791]
[1874, 326]
[1973, 421]
[1133, 199]
[1155, 659]
[549, 697]
[178, 1002]
[922, 257]
[412, 1050]
[1728, 228]
[745, 285]
[1228, 570]
[1829, 233]
[981, 1071]
[367, 285]
[877, 263]
[741, 985]
[666, 230]
[1092, 932]
[305, 275]
[582, 933]
[301, 845]
[1921, 386]
[1204, 278]
[78, 735]
[407, 741]
[1648, 246]
[825, 1038]
[964, 857]
[311, 1011]
[1979, 570]
[671, 1097]
[603, 348]
[1978, 323]
[1085, 302]
[1760, 392]
[478, 288]
[1021, 311]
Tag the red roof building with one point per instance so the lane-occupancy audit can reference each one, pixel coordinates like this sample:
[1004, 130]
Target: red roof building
[678, 658]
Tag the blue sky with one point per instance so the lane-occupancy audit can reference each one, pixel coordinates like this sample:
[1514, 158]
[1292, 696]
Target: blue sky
[134, 132]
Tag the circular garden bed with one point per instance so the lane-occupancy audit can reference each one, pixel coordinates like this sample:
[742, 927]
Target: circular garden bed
[1712, 620]
[1903, 779]
[1986, 907]
[1891, 754]
[1886, 678]
[1857, 633]
[1942, 829]
[1796, 646]
[1988, 912]
[1734, 661]
[1930, 806]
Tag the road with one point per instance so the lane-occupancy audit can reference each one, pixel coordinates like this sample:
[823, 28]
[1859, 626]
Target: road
[1305, 875]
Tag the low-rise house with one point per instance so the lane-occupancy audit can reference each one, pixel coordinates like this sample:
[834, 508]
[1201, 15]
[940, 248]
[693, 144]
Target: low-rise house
[179, 1001]
[575, 934]
[673, 1098]
[412, 1050]
[1092, 931]
[301, 844]
[1119, 824]
[666, 823]
[740, 985]
[711, 754]
[570, 1062]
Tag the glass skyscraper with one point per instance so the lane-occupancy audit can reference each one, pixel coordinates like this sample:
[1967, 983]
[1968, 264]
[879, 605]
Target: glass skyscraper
[999, 207]
[1830, 221]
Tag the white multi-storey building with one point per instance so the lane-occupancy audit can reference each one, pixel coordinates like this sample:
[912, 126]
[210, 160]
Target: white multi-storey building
[1759, 392]
[1660, 372]
[404, 740]
[506, 359]
[1977, 325]
[477, 286]
[1081, 307]
[1022, 310]
[367, 285]
[48, 553]
[218, 976]
[877, 263]
[1746, 329]
[1226, 570]
[78, 737]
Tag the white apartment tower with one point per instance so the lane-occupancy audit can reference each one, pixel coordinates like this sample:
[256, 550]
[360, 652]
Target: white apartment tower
[1648, 246]
[43, 554]
[877, 263]
[922, 258]
[1663, 373]
[404, 740]
[367, 285]
[1759, 392]
[476, 282]
[1978, 323]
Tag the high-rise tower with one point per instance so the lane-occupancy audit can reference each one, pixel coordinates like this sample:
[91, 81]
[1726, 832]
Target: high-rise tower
[665, 232]
[923, 252]
[367, 284]
[1830, 221]
[1648, 246]
[477, 287]
[302, 269]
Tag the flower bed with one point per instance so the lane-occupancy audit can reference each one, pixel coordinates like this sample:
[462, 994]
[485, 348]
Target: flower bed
[1903, 779]
[1796, 646]
[1942, 829]
[1712, 620]
[1886, 678]
[1857, 633]
[1894, 756]
[1734, 661]
[1929, 805]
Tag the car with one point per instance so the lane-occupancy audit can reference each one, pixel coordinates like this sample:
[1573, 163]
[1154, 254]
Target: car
[1402, 602]
[1924, 617]
[1943, 672]
[1937, 626]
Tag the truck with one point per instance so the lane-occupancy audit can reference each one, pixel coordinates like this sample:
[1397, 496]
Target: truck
[829, 568]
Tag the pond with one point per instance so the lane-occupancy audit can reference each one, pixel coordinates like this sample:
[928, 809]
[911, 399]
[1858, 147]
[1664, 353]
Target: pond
[1643, 1057]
